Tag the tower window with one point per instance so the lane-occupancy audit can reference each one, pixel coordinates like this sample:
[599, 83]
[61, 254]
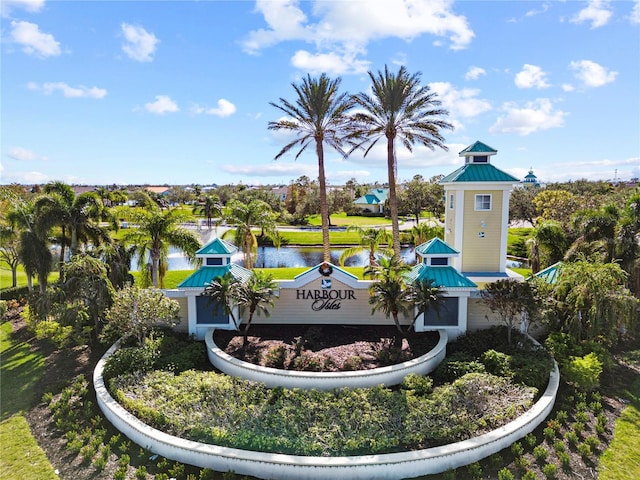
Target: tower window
[480, 159]
[214, 261]
[483, 202]
[451, 201]
[440, 261]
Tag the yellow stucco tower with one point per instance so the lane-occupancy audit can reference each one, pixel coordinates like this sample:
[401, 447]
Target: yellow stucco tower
[477, 214]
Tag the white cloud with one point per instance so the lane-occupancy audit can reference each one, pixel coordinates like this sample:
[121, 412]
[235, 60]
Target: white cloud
[140, 45]
[33, 41]
[32, 6]
[598, 12]
[460, 102]
[22, 154]
[531, 76]
[162, 105]
[330, 63]
[474, 73]
[24, 178]
[333, 27]
[567, 87]
[224, 109]
[592, 74]
[634, 17]
[70, 92]
[534, 116]
[274, 169]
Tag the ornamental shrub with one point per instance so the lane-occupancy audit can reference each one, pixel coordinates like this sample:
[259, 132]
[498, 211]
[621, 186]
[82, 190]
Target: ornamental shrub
[418, 384]
[584, 372]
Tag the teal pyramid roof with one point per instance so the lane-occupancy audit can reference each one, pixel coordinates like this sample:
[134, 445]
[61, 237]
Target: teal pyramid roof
[444, 277]
[219, 247]
[435, 246]
[479, 172]
[204, 275]
[478, 147]
[550, 274]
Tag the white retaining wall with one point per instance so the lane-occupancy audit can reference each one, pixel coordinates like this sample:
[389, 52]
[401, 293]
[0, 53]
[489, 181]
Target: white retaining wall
[274, 377]
[392, 466]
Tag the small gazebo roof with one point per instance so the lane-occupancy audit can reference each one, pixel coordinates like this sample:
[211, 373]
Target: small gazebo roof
[435, 246]
[478, 147]
[206, 274]
[479, 172]
[444, 277]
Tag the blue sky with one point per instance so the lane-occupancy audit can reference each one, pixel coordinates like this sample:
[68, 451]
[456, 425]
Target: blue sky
[178, 92]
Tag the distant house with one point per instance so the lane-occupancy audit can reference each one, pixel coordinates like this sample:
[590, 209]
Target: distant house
[159, 190]
[373, 201]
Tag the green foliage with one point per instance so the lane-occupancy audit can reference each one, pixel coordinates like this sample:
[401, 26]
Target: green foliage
[505, 474]
[584, 372]
[475, 470]
[276, 357]
[529, 475]
[455, 366]
[135, 312]
[418, 384]
[497, 363]
[540, 453]
[550, 470]
[517, 449]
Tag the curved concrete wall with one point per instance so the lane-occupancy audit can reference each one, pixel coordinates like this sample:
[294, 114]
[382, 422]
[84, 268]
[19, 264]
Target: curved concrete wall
[292, 467]
[274, 377]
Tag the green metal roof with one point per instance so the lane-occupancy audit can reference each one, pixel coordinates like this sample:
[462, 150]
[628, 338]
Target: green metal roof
[435, 246]
[550, 274]
[204, 275]
[478, 147]
[217, 247]
[374, 197]
[479, 172]
[445, 277]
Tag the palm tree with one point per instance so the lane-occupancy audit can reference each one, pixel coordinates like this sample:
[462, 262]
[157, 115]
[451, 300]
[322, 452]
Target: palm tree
[157, 231]
[256, 295]
[319, 115]
[210, 207]
[399, 108]
[390, 293]
[423, 232]
[222, 291]
[256, 213]
[75, 215]
[370, 241]
[547, 245]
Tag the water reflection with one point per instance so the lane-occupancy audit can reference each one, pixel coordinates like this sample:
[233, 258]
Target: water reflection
[271, 257]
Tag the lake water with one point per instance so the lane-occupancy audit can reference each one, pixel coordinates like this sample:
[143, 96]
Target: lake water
[271, 257]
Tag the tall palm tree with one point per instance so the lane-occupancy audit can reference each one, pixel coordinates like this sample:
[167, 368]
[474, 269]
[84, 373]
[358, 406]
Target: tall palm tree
[157, 231]
[77, 216]
[398, 109]
[547, 245]
[370, 241]
[209, 207]
[319, 115]
[256, 213]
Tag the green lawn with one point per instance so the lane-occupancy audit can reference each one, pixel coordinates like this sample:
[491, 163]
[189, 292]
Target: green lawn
[20, 455]
[342, 220]
[621, 461]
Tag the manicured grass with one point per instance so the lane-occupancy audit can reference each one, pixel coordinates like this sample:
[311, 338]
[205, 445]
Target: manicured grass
[20, 455]
[621, 461]
[303, 238]
[342, 220]
[20, 370]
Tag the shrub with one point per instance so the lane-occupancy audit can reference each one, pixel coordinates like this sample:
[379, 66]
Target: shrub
[530, 440]
[497, 363]
[558, 446]
[141, 473]
[562, 416]
[550, 471]
[584, 372]
[276, 356]
[529, 475]
[572, 438]
[549, 433]
[456, 366]
[3, 307]
[582, 417]
[307, 362]
[584, 449]
[419, 384]
[522, 464]
[517, 449]
[565, 460]
[505, 474]
[531, 367]
[540, 453]
[352, 363]
[592, 441]
[130, 359]
[475, 470]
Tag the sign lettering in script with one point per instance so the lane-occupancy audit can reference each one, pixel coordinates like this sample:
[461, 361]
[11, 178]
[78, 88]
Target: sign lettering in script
[325, 299]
